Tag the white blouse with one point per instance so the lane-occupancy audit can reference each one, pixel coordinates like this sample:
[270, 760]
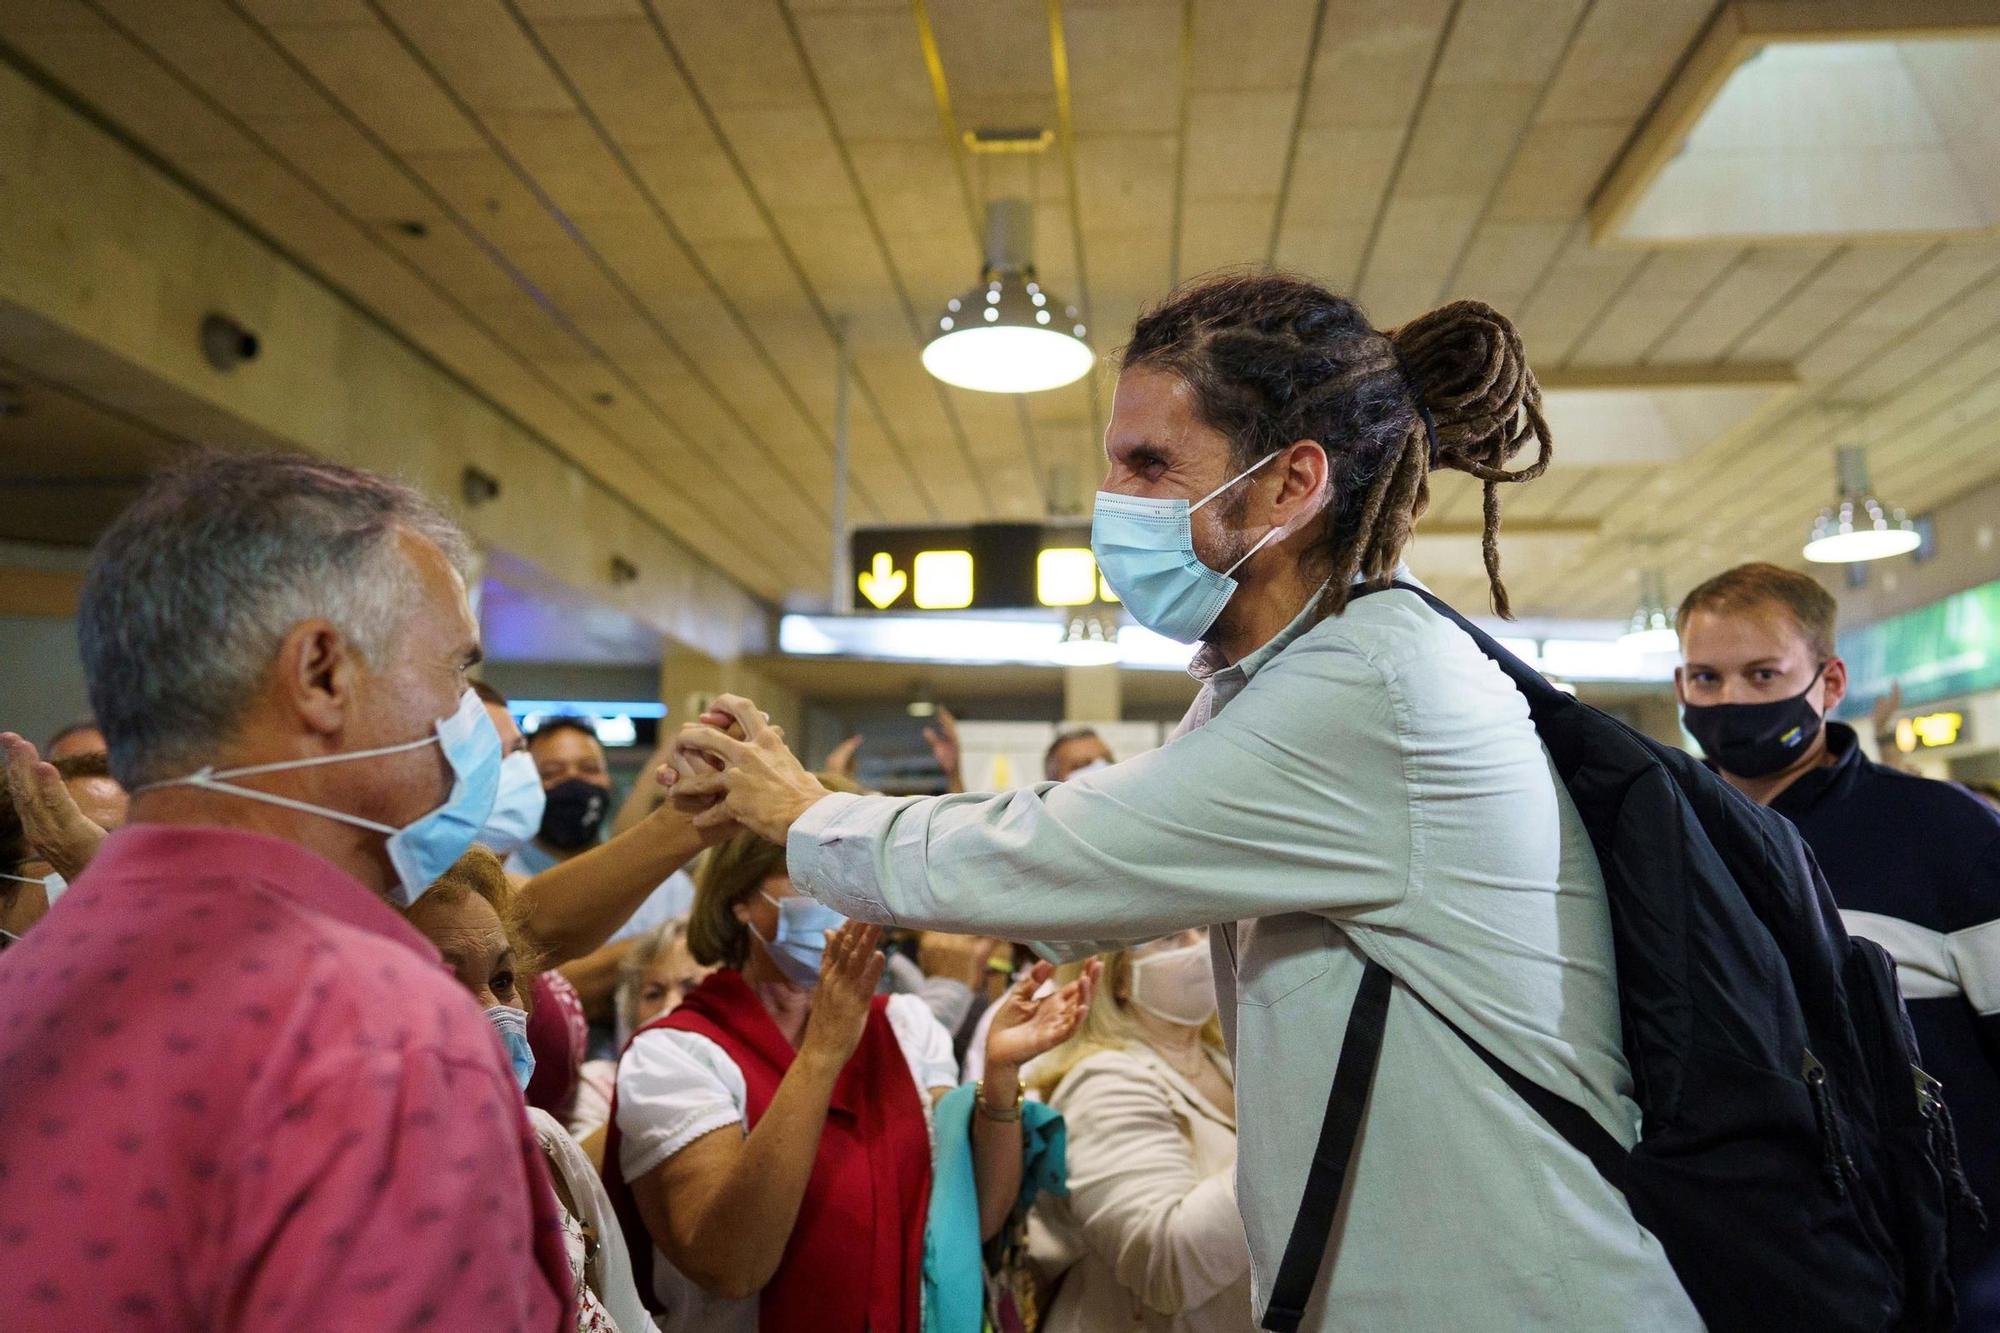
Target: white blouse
[675, 1087]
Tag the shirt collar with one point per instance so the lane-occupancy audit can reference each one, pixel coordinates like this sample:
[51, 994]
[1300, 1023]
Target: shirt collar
[193, 853]
[1813, 786]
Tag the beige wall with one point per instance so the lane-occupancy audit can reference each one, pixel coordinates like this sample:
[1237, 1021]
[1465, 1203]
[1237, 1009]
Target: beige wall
[106, 269]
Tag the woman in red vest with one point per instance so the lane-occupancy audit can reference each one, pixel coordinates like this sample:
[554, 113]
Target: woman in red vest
[770, 1149]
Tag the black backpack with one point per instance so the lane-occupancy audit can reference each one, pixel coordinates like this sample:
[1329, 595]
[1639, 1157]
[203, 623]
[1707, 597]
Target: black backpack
[1793, 1160]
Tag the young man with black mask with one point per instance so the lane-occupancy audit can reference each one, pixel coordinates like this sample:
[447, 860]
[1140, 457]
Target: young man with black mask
[1913, 864]
[576, 781]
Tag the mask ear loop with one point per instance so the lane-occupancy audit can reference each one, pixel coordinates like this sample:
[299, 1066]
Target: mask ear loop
[1263, 541]
[1231, 482]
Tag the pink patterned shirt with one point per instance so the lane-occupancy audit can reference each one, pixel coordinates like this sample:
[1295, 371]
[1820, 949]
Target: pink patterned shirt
[239, 1091]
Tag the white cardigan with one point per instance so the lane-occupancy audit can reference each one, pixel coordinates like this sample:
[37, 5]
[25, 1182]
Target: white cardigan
[1151, 1218]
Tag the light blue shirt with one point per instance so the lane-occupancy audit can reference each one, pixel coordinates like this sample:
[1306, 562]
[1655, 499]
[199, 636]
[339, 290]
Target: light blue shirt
[1365, 785]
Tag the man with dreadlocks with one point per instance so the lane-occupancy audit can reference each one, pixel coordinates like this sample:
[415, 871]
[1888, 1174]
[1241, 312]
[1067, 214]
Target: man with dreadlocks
[1354, 780]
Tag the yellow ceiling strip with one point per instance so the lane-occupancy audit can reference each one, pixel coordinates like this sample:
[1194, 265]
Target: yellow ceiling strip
[953, 140]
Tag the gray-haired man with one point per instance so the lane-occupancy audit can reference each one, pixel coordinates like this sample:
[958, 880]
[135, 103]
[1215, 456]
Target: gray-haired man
[236, 1088]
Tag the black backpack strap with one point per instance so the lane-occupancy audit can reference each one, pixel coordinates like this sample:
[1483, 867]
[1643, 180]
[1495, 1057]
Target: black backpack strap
[1532, 683]
[1361, 1052]
[1565, 1117]
[1353, 1077]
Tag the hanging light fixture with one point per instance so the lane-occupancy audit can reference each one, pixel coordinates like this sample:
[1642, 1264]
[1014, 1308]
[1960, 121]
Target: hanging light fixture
[1008, 334]
[1857, 527]
[1651, 629]
[1090, 638]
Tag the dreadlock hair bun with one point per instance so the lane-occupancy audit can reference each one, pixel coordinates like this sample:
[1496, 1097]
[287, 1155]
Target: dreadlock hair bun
[1272, 358]
[1470, 373]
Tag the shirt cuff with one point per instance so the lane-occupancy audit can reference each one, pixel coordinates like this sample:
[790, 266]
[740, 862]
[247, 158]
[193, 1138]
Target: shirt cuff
[827, 858]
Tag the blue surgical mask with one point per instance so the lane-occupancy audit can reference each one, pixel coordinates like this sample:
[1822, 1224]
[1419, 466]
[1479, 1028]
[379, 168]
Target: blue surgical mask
[512, 1025]
[801, 939]
[1145, 550]
[517, 807]
[425, 848]
[52, 884]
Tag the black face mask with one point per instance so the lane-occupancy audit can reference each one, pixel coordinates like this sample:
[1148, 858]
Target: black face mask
[1756, 740]
[574, 813]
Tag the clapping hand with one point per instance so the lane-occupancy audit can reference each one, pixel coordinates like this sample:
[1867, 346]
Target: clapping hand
[1026, 1026]
[848, 974]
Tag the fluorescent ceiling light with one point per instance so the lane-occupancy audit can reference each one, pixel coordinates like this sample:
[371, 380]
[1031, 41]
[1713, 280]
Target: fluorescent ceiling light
[586, 708]
[1580, 650]
[1789, 123]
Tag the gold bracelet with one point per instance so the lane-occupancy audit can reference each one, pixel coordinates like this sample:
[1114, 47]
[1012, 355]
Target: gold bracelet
[1005, 1117]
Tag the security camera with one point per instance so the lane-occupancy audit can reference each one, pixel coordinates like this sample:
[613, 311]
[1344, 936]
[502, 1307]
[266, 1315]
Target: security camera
[478, 487]
[225, 343]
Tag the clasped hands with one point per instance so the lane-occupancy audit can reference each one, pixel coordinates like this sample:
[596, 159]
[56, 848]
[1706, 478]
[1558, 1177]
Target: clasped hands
[732, 768]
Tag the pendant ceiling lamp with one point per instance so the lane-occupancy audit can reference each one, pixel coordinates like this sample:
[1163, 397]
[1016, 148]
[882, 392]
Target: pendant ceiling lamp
[1652, 626]
[1857, 527]
[1008, 334]
[1090, 638]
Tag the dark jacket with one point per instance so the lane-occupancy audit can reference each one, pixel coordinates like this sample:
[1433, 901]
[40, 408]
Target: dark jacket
[1915, 866]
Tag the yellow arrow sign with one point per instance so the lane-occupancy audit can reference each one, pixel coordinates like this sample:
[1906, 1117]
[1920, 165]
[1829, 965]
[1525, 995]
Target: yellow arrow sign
[882, 583]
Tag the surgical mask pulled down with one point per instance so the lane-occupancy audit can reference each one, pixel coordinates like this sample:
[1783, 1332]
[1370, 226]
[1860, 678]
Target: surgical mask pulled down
[426, 847]
[1145, 550]
[52, 884]
[1177, 986]
[799, 942]
[512, 1025]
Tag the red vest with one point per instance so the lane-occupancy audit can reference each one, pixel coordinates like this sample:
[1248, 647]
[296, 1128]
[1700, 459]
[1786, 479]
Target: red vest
[855, 1258]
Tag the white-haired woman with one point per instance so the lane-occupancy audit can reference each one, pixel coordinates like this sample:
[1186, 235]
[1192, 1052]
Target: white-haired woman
[1149, 1236]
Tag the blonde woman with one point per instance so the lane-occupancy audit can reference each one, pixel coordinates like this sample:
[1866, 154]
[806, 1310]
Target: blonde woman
[1149, 1236]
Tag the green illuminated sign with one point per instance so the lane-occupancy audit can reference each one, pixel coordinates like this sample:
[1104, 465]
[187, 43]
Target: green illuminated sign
[1948, 648]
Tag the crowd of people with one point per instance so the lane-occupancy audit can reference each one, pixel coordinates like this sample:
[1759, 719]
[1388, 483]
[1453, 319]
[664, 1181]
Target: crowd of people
[330, 1000]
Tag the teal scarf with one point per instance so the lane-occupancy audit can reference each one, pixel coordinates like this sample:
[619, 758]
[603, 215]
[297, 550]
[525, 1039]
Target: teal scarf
[954, 1274]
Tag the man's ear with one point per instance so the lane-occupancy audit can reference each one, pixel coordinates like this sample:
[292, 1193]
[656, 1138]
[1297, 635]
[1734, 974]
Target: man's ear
[1680, 686]
[316, 674]
[1303, 479]
[1833, 685]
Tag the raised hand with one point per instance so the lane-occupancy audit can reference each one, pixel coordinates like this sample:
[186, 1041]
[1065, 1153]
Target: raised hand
[57, 830]
[842, 760]
[750, 779]
[963, 958]
[848, 974]
[1025, 1027]
[943, 740]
